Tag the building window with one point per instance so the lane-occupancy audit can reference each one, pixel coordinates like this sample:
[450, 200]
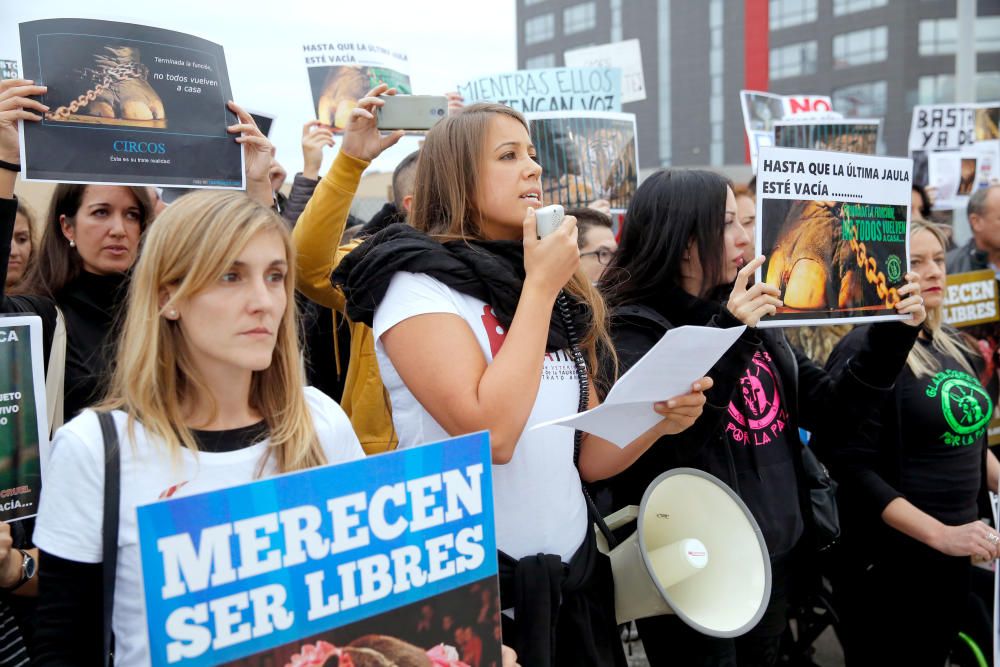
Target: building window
[936, 89]
[579, 18]
[988, 86]
[540, 62]
[939, 37]
[860, 47]
[539, 28]
[940, 88]
[793, 60]
[987, 34]
[528, 3]
[863, 100]
[784, 13]
[841, 7]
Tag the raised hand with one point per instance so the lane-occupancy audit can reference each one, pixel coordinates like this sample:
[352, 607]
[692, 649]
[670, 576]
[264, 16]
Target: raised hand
[315, 135]
[750, 305]
[362, 138]
[14, 105]
[257, 154]
[912, 301]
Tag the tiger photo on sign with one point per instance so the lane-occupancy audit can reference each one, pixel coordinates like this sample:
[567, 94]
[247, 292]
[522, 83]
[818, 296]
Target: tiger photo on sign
[586, 158]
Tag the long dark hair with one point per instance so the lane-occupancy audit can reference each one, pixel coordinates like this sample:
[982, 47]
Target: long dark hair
[56, 264]
[672, 208]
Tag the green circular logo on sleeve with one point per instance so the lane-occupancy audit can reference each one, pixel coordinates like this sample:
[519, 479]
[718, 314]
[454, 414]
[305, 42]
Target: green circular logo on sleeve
[893, 268]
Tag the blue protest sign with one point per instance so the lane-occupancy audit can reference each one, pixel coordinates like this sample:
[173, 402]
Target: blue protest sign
[323, 560]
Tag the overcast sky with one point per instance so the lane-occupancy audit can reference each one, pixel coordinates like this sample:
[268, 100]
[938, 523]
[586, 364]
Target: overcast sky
[448, 41]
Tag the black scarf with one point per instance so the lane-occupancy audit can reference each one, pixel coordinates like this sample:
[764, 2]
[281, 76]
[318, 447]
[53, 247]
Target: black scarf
[491, 271]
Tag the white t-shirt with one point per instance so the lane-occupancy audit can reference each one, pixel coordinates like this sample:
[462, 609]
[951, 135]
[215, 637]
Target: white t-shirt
[71, 508]
[539, 503]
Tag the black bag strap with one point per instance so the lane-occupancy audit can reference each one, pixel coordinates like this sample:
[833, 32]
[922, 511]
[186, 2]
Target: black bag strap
[112, 493]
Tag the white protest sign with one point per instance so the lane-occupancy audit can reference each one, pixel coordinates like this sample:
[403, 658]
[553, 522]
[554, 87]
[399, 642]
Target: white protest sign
[626, 56]
[940, 127]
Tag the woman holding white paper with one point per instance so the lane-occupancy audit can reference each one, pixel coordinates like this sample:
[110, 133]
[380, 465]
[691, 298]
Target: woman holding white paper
[911, 485]
[680, 262]
[207, 392]
[469, 337]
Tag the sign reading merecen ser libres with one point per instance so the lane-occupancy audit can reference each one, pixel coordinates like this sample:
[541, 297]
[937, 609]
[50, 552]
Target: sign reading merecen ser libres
[129, 105]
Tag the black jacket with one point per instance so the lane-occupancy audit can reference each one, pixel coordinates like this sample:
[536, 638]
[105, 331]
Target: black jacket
[815, 399]
[967, 258]
[300, 194]
[90, 304]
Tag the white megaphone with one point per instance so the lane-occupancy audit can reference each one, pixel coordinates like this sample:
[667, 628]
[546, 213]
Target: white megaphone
[697, 552]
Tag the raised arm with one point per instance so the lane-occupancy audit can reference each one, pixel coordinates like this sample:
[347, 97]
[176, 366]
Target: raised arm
[318, 230]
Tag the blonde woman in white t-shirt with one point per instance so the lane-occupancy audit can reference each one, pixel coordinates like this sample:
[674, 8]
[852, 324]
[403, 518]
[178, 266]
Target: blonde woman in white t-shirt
[468, 338]
[207, 392]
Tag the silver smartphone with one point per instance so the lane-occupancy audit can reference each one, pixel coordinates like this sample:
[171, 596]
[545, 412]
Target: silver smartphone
[411, 112]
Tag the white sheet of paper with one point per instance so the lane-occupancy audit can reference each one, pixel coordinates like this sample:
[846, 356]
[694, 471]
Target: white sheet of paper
[669, 369]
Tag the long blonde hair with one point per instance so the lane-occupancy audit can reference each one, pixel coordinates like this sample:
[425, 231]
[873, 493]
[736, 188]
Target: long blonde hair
[445, 188]
[944, 339]
[193, 243]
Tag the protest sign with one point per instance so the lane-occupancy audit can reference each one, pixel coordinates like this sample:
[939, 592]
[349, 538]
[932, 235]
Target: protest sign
[988, 121]
[935, 128]
[971, 299]
[337, 560]
[955, 175]
[341, 72]
[553, 89]
[834, 229]
[761, 110]
[24, 430]
[848, 136]
[938, 127]
[8, 69]
[129, 104]
[971, 303]
[625, 55]
[586, 156]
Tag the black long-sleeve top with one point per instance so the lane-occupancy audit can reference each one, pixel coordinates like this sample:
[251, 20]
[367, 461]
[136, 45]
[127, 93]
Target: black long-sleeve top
[925, 442]
[91, 304]
[811, 398]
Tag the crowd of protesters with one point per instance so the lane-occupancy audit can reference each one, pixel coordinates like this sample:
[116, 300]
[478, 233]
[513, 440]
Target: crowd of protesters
[228, 336]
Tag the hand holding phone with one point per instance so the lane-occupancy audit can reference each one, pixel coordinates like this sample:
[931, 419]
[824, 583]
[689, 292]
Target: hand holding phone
[411, 112]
